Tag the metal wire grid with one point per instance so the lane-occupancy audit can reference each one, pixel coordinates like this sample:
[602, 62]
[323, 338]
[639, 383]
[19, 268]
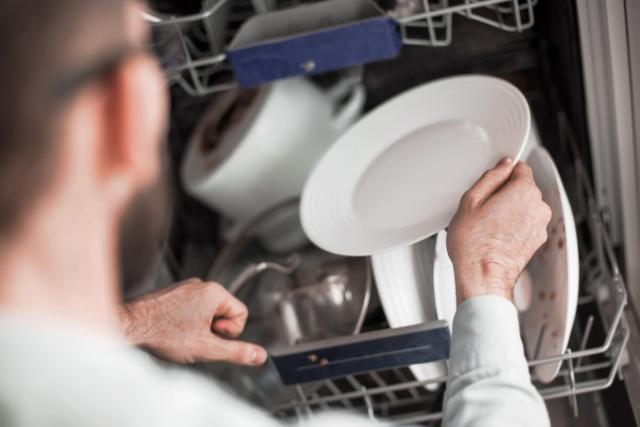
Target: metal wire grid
[432, 26]
[192, 48]
[384, 396]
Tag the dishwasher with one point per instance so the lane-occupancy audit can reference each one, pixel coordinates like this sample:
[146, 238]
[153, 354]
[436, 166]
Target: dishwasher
[577, 63]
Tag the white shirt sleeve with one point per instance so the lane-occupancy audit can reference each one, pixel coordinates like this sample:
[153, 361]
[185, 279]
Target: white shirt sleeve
[489, 382]
[83, 380]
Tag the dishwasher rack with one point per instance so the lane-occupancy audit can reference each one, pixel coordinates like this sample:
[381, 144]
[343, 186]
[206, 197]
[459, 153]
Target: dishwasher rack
[192, 47]
[392, 397]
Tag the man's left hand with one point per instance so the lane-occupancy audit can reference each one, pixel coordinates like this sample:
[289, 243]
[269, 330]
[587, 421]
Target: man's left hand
[192, 321]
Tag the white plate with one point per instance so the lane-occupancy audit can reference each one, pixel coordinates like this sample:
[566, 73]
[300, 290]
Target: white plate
[553, 272]
[444, 282]
[404, 279]
[397, 175]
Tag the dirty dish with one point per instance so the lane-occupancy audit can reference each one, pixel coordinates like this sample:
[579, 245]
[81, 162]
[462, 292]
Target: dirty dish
[546, 294]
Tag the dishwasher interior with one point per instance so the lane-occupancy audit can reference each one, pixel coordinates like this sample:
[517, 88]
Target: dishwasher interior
[534, 45]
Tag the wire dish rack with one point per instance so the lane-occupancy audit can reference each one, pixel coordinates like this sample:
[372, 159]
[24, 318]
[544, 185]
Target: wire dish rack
[395, 397]
[192, 48]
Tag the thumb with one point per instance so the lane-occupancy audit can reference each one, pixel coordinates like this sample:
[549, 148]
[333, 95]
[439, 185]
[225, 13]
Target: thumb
[234, 351]
[491, 180]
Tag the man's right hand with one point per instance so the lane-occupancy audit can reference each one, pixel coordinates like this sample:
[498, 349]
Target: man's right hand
[499, 225]
[192, 321]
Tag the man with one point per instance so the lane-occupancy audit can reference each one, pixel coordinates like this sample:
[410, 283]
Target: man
[81, 119]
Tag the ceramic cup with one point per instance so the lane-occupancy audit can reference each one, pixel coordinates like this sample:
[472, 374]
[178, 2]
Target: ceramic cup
[255, 148]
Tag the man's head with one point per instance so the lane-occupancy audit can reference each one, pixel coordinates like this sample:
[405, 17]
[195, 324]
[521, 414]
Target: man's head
[83, 109]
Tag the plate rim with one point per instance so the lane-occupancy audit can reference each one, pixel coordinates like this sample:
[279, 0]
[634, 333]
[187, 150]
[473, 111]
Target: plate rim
[313, 191]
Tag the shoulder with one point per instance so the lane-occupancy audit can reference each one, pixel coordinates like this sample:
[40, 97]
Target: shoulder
[67, 379]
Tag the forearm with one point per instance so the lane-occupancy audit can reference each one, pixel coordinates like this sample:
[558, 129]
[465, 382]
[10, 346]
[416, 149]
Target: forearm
[133, 325]
[489, 382]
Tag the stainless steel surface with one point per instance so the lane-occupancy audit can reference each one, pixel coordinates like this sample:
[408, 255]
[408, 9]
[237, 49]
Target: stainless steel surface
[610, 47]
[311, 297]
[329, 297]
[632, 8]
[252, 270]
[605, 50]
[631, 204]
[314, 295]
[318, 295]
[200, 66]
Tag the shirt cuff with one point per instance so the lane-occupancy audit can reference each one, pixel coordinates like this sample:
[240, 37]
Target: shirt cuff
[486, 334]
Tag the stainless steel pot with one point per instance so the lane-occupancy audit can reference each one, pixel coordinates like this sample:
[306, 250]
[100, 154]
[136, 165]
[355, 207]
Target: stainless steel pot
[308, 296]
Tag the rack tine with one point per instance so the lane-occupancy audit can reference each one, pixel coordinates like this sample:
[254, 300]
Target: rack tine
[323, 405]
[585, 338]
[353, 381]
[573, 399]
[336, 391]
[403, 378]
[381, 383]
[516, 13]
[299, 414]
[304, 401]
[370, 410]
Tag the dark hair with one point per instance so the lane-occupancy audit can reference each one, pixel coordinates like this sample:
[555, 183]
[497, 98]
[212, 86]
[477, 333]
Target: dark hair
[42, 44]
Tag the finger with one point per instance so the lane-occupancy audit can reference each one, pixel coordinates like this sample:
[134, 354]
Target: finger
[228, 328]
[238, 352]
[233, 311]
[521, 170]
[490, 182]
[522, 183]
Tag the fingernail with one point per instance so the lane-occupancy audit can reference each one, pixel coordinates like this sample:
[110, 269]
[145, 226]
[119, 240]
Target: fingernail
[506, 161]
[258, 356]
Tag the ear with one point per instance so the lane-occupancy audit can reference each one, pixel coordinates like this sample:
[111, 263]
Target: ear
[137, 109]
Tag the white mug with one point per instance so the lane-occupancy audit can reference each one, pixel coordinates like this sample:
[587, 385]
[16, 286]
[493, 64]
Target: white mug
[265, 143]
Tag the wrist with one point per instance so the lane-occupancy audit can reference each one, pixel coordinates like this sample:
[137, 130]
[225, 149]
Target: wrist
[486, 279]
[133, 324]
[466, 292]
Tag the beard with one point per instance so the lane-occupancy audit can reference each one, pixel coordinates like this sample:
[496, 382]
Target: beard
[144, 231]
